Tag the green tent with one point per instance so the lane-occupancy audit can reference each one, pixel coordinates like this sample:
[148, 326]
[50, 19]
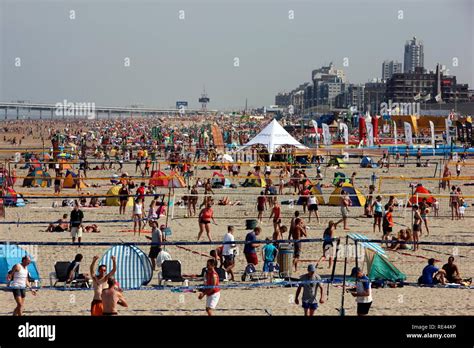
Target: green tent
[336, 161]
[379, 268]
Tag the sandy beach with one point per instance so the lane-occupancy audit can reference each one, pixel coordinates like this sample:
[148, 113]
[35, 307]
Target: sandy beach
[408, 300]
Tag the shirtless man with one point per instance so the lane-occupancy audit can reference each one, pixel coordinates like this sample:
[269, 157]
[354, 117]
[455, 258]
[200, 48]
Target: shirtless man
[298, 232]
[345, 202]
[98, 282]
[111, 297]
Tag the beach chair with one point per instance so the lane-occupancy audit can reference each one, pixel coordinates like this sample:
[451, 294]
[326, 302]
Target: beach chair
[171, 272]
[60, 276]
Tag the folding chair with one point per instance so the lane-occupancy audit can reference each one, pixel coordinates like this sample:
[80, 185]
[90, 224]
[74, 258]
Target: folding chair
[171, 272]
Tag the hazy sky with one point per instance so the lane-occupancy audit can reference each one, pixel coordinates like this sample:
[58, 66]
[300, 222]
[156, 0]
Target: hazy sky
[82, 59]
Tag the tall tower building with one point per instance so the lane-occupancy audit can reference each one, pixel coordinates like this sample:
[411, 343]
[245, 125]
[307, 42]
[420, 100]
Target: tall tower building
[414, 56]
[389, 68]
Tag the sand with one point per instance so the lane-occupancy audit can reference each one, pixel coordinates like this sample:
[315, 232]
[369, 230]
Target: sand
[261, 301]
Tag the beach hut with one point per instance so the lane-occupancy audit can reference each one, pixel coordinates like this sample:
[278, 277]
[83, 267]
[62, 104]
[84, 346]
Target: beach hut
[113, 197]
[10, 255]
[13, 199]
[357, 198]
[69, 180]
[133, 266]
[158, 178]
[37, 178]
[421, 192]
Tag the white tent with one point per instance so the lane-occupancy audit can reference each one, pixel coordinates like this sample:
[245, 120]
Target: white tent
[272, 137]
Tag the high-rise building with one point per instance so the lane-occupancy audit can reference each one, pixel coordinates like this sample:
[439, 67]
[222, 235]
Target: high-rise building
[389, 68]
[413, 57]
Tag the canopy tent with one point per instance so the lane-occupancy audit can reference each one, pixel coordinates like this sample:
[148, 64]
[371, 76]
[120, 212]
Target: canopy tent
[357, 198]
[10, 255]
[378, 265]
[133, 266]
[421, 192]
[70, 180]
[158, 178]
[317, 192]
[113, 199]
[272, 137]
[37, 178]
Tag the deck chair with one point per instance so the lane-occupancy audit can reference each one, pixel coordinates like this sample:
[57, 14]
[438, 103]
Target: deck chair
[60, 276]
[171, 272]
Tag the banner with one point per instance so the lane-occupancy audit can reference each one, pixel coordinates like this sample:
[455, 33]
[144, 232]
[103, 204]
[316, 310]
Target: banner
[315, 125]
[448, 136]
[326, 134]
[395, 133]
[345, 129]
[432, 134]
[408, 135]
[370, 134]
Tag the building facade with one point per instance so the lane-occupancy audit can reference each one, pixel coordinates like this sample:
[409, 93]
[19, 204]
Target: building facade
[389, 68]
[413, 56]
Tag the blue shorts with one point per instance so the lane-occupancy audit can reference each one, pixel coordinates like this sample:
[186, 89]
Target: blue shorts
[268, 266]
[307, 305]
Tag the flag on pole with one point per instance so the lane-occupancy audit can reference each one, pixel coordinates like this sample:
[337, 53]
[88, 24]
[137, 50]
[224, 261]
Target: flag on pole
[395, 133]
[370, 134]
[438, 97]
[417, 97]
[448, 136]
[315, 125]
[408, 134]
[345, 129]
[427, 97]
[326, 134]
[432, 134]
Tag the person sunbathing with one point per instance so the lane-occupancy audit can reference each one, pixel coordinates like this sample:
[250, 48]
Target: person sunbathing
[399, 242]
[92, 229]
[226, 201]
[60, 226]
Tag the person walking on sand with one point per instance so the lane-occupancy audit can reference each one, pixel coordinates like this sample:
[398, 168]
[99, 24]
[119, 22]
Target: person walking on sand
[212, 291]
[328, 244]
[124, 194]
[344, 202]
[418, 220]
[19, 283]
[111, 297]
[298, 233]
[156, 241]
[98, 281]
[137, 216]
[276, 215]
[261, 206]
[311, 282]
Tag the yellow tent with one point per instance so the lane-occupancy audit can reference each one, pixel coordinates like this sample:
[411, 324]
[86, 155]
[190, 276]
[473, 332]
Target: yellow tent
[357, 198]
[256, 181]
[317, 193]
[69, 181]
[115, 201]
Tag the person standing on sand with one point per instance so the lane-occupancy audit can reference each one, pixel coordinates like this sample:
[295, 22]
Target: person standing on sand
[111, 297]
[311, 284]
[212, 291]
[75, 223]
[19, 283]
[98, 282]
[228, 251]
[298, 232]
[204, 219]
[362, 291]
[124, 194]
